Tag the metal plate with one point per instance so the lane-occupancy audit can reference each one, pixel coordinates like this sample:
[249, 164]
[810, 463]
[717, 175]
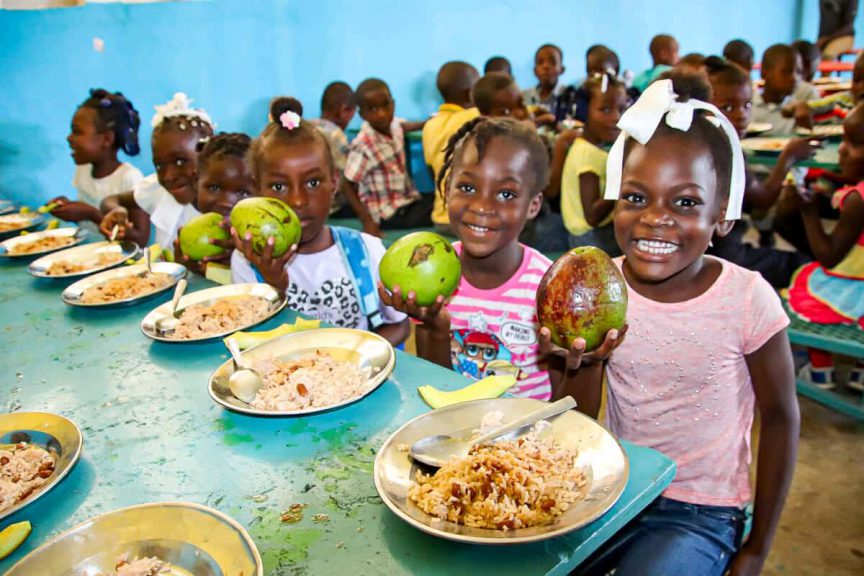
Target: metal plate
[27, 221]
[764, 145]
[209, 296]
[365, 349]
[85, 253]
[196, 539]
[828, 131]
[600, 456]
[6, 206]
[72, 294]
[78, 235]
[48, 431]
[756, 128]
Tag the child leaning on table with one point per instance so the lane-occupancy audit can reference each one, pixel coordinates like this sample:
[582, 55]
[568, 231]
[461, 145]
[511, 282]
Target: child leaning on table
[706, 344]
[165, 198]
[332, 273]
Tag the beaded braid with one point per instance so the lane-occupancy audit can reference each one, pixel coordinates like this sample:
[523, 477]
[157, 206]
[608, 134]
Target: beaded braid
[117, 114]
[483, 130]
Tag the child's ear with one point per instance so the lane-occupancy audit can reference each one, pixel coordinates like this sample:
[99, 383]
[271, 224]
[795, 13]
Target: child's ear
[336, 177]
[108, 138]
[536, 204]
[724, 227]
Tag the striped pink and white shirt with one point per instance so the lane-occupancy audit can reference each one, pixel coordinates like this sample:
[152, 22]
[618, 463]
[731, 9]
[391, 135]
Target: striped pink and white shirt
[495, 331]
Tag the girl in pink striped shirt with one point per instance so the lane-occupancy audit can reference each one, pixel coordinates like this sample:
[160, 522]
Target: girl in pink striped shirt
[494, 173]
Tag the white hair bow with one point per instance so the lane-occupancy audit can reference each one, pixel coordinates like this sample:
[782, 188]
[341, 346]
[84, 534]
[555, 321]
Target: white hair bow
[179, 105]
[641, 121]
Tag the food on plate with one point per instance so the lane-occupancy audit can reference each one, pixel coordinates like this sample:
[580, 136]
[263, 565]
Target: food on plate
[503, 485]
[118, 289]
[152, 566]
[12, 222]
[583, 295]
[41, 245]
[423, 263]
[315, 380]
[24, 468]
[64, 267]
[224, 315]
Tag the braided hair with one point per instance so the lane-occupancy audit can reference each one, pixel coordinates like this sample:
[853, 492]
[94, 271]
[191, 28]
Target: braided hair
[305, 133]
[233, 144]
[116, 114]
[481, 131]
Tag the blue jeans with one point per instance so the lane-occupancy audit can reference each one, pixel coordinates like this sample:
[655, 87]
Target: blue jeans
[672, 538]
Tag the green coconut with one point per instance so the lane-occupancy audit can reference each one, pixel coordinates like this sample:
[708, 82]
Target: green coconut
[422, 262]
[266, 217]
[196, 234]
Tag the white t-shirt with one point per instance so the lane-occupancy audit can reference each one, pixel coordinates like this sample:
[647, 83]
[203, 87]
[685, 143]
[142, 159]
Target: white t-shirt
[319, 285]
[93, 190]
[166, 214]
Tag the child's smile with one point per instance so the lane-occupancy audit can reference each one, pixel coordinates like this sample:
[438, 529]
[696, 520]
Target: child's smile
[84, 140]
[226, 181]
[176, 162]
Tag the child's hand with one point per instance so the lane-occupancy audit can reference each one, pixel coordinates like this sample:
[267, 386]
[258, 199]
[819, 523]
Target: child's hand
[434, 316]
[272, 269]
[800, 149]
[803, 115]
[577, 356]
[75, 211]
[117, 217]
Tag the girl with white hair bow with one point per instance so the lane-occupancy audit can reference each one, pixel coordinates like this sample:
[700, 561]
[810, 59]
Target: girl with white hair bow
[706, 343]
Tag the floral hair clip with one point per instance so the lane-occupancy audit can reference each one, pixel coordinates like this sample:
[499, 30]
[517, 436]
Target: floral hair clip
[180, 105]
[289, 120]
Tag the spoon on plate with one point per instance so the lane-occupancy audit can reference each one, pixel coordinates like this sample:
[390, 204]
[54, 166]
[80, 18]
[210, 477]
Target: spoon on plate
[244, 382]
[167, 324]
[438, 449]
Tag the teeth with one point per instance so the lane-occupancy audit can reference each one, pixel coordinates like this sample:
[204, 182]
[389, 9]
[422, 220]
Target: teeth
[656, 247]
[479, 229]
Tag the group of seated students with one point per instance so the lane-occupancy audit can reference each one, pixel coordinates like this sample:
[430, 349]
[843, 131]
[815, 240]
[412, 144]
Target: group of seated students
[650, 170]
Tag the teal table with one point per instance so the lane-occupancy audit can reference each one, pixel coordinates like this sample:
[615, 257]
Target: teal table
[827, 158]
[152, 433]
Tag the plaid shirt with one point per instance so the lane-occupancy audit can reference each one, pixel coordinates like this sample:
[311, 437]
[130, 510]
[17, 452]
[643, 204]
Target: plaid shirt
[376, 163]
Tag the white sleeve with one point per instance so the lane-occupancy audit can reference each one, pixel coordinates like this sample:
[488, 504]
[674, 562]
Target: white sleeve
[148, 193]
[130, 179]
[241, 270]
[376, 251]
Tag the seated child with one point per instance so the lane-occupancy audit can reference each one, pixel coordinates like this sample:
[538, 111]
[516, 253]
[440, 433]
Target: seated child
[781, 71]
[376, 181]
[224, 178]
[600, 59]
[332, 273]
[548, 67]
[831, 289]
[705, 347]
[455, 82]
[338, 106]
[494, 176]
[498, 64]
[664, 53]
[587, 216]
[166, 197]
[573, 103]
[498, 96]
[810, 59]
[833, 107]
[739, 52]
[731, 91]
[104, 124]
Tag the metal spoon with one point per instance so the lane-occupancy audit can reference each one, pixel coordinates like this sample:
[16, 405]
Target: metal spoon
[167, 324]
[114, 232]
[244, 382]
[437, 450]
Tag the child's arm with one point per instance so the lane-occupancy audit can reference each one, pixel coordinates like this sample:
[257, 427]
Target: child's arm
[349, 191]
[396, 333]
[576, 373]
[411, 126]
[70, 211]
[771, 370]
[595, 208]
[559, 157]
[433, 331]
[765, 193]
[121, 210]
[830, 250]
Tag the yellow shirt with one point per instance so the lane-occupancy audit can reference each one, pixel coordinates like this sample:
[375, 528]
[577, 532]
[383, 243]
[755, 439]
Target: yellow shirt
[583, 157]
[436, 134]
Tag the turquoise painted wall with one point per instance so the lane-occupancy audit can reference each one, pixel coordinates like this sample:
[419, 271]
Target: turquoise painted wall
[233, 55]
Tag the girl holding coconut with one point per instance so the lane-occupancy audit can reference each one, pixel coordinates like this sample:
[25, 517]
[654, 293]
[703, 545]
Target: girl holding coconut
[331, 272]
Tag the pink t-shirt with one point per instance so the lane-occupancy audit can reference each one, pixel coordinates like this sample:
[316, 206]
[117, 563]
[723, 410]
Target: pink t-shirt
[679, 382]
[495, 331]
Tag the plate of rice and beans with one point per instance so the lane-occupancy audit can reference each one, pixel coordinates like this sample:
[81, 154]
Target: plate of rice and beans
[15, 223]
[310, 371]
[535, 484]
[84, 260]
[214, 313]
[37, 450]
[44, 242]
[124, 285]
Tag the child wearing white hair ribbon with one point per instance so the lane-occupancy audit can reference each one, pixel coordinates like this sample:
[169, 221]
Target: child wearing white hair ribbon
[165, 198]
[706, 344]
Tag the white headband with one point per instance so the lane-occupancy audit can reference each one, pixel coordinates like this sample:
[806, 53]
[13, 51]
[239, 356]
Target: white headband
[641, 121]
[180, 105]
